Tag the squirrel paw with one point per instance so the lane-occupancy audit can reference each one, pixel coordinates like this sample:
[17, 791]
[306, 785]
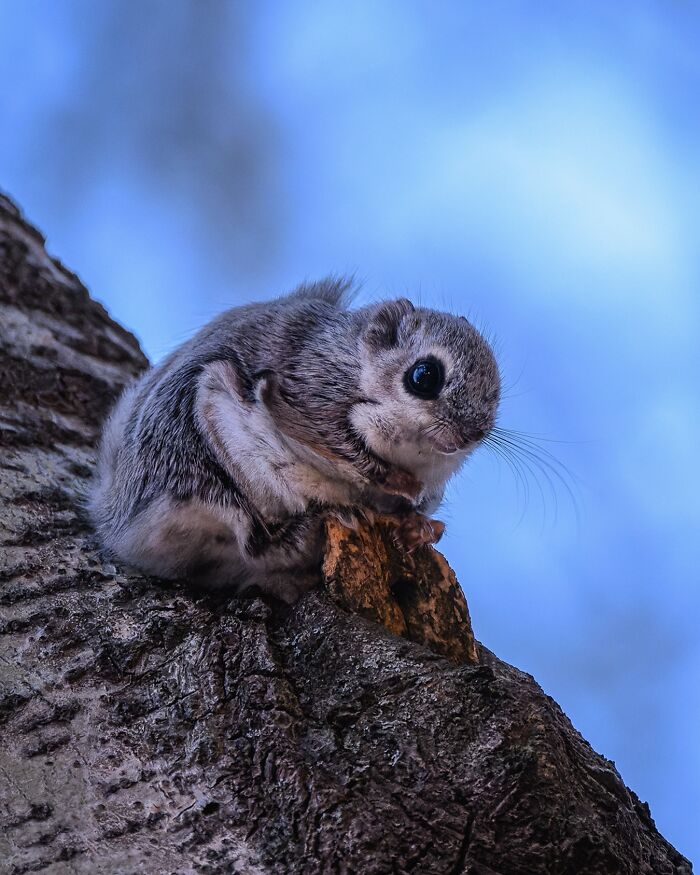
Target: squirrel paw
[348, 517]
[415, 529]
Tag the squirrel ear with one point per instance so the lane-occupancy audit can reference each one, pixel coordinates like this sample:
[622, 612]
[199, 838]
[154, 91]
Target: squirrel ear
[266, 388]
[227, 375]
[382, 330]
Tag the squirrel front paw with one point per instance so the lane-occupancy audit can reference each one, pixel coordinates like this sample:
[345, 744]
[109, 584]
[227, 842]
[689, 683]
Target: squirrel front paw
[414, 529]
[352, 517]
[409, 530]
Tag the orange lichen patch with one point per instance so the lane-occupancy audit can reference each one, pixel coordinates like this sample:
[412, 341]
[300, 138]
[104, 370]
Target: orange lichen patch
[413, 595]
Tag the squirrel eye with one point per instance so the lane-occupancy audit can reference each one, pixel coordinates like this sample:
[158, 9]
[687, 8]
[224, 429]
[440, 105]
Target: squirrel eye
[425, 378]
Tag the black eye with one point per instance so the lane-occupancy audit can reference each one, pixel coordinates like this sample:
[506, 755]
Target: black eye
[425, 378]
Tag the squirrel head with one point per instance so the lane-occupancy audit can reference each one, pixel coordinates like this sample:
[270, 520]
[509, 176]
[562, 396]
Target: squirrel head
[431, 382]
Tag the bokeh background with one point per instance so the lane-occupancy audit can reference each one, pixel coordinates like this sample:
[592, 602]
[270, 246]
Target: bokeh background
[534, 165]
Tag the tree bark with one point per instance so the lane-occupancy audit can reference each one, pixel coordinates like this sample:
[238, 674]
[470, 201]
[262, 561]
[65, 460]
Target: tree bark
[151, 729]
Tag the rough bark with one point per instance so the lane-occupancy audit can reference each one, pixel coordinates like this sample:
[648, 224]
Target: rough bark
[152, 729]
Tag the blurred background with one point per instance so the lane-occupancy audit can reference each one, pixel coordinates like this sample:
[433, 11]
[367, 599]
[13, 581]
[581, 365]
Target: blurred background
[535, 166]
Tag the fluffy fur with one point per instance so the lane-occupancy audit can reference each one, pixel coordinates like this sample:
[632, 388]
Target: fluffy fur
[221, 462]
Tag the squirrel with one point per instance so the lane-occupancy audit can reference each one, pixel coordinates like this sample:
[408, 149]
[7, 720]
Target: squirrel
[221, 463]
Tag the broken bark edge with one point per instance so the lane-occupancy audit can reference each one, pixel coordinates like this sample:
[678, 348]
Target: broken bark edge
[413, 595]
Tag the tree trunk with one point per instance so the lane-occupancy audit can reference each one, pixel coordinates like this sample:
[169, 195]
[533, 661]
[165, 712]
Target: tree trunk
[152, 729]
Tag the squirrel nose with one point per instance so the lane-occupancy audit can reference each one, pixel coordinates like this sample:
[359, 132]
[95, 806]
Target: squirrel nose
[472, 434]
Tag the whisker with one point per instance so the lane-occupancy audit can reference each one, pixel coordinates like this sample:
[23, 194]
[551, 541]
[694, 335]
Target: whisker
[535, 437]
[522, 490]
[532, 461]
[530, 468]
[530, 444]
[435, 428]
[538, 462]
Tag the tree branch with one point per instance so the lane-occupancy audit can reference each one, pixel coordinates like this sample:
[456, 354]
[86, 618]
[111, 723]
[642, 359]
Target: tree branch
[151, 729]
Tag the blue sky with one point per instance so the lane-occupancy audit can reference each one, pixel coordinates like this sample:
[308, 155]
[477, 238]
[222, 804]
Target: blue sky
[533, 165]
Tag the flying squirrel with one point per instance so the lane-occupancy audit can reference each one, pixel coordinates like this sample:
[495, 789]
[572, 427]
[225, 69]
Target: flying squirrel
[221, 463]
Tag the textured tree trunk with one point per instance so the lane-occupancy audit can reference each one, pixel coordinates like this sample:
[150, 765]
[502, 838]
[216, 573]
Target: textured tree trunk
[150, 729]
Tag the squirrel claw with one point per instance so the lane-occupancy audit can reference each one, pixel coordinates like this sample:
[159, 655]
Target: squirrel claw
[414, 530]
[346, 517]
[369, 515]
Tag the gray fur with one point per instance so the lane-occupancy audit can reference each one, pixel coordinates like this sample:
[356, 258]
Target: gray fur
[220, 463]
